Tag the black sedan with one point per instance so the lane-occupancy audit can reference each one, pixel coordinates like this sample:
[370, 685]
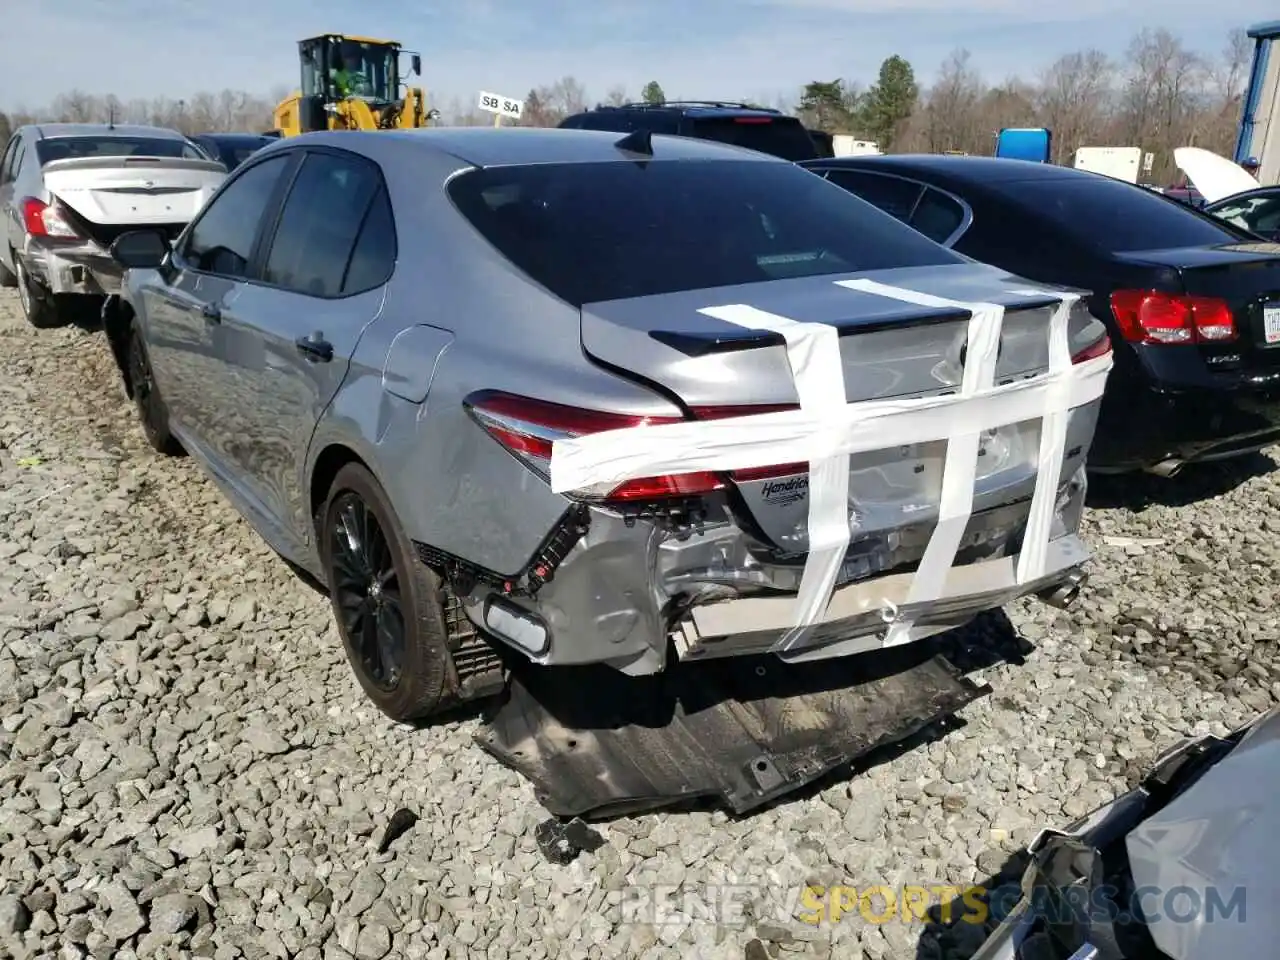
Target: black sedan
[1257, 211]
[231, 149]
[1192, 302]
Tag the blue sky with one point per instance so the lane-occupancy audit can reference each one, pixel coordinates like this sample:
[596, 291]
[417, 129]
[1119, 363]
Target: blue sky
[696, 49]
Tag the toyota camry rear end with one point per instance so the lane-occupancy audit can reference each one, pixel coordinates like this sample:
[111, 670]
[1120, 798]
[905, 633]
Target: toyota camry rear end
[561, 283]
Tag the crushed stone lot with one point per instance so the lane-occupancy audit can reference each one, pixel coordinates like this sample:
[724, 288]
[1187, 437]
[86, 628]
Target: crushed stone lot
[190, 769]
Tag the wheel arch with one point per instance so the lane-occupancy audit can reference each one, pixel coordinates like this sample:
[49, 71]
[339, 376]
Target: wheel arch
[332, 458]
[117, 321]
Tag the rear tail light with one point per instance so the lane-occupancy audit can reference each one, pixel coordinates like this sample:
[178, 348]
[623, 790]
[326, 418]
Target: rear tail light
[43, 220]
[527, 428]
[1099, 348]
[1148, 316]
[753, 119]
[753, 473]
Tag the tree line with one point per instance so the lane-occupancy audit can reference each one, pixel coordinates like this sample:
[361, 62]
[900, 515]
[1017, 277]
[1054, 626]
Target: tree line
[1159, 95]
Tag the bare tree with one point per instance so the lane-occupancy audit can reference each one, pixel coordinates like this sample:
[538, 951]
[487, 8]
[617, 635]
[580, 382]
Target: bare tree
[953, 114]
[616, 96]
[1074, 101]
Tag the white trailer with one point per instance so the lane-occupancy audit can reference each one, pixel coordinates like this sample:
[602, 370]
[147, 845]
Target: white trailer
[1121, 163]
[845, 145]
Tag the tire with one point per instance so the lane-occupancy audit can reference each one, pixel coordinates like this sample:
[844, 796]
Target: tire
[37, 303]
[376, 580]
[153, 415]
[7, 277]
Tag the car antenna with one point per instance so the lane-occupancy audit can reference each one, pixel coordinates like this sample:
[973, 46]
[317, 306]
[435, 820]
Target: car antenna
[111, 116]
[637, 141]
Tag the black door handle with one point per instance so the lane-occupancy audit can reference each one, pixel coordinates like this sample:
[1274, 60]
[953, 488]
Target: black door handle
[211, 312]
[315, 348]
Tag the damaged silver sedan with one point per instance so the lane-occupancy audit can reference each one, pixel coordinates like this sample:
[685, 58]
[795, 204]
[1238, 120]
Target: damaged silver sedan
[375, 342]
[67, 190]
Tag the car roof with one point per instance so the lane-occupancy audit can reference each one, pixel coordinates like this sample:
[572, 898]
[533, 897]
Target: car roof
[232, 137]
[49, 131]
[694, 108]
[490, 147]
[957, 169]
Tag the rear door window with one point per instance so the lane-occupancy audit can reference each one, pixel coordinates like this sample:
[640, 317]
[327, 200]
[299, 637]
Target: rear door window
[893, 195]
[1116, 217]
[781, 136]
[319, 224]
[590, 232]
[374, 256]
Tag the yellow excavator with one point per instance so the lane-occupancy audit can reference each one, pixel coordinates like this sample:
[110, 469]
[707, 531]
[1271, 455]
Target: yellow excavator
[353, 83]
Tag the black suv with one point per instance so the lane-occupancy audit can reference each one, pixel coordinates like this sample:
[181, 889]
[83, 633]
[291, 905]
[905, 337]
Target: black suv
[757, 128]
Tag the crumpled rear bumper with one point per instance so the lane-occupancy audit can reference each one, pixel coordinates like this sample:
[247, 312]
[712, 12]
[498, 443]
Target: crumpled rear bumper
[81, 266]
[629, 594]
[855, 618]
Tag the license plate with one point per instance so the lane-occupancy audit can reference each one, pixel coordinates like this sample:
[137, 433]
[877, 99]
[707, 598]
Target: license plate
[1271, 322]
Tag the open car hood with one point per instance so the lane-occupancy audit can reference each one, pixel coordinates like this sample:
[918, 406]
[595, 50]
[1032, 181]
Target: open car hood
[1214, 176]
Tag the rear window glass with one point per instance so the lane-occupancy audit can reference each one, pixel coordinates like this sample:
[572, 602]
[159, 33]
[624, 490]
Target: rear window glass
[783, 137]
[1115, 216]
[66, 148]
[590, 232]
[231, 155]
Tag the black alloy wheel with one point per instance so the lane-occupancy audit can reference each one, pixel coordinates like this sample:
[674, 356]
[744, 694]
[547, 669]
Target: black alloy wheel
[152, 413]
[388, 605]
[366, 590]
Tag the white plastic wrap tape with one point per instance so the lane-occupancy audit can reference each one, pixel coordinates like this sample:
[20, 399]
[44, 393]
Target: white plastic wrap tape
[813, 353]
[960, 468]
[827, 430]
[1053, 441]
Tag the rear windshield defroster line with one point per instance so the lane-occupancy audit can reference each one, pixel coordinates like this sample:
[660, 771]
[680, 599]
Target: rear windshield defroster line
[591, 232]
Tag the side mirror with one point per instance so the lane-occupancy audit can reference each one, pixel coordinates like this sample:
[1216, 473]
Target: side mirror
[416, 65]
[140, 249]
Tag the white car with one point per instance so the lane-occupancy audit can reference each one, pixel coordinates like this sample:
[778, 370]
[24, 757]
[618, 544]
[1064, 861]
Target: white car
[68, 190]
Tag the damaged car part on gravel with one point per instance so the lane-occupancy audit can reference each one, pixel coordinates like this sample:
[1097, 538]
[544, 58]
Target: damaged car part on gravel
[1145, 876]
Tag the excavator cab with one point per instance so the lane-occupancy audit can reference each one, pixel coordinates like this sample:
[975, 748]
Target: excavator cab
[351, 83]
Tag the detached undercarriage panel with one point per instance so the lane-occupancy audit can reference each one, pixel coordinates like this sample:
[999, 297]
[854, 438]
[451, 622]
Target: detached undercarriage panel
[745, 730]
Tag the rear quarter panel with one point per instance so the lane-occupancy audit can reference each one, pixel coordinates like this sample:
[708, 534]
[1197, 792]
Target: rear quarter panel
[453, 486]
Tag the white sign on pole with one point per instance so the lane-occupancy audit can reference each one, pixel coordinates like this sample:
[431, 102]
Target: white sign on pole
[1148, 161]
[501, 106]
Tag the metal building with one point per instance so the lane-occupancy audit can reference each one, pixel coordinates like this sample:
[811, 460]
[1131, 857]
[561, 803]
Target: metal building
[1260, 124]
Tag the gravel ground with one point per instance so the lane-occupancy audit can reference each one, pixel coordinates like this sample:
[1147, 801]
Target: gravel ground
[191, 770]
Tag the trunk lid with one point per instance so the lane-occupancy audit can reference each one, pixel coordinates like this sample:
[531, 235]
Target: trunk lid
[133, 190]
[1247, 277]
[889, 349]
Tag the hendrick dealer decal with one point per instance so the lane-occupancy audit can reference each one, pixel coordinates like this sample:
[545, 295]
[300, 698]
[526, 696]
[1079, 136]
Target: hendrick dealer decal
[786, 491]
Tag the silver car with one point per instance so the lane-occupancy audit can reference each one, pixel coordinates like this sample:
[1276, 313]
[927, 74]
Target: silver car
[67, 190]
[372, 340]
